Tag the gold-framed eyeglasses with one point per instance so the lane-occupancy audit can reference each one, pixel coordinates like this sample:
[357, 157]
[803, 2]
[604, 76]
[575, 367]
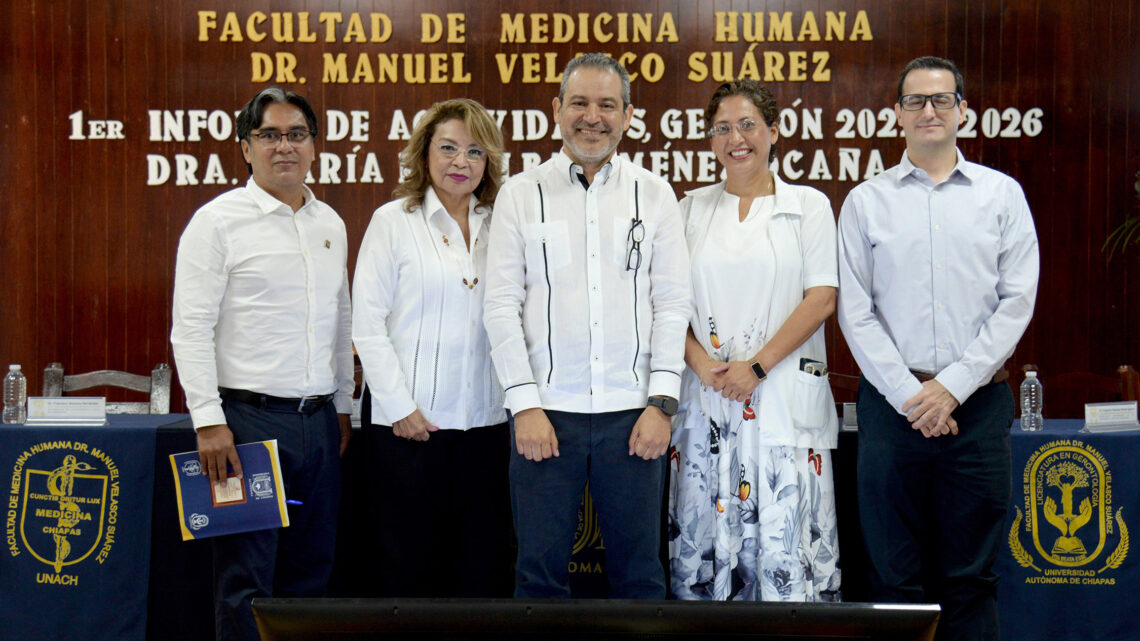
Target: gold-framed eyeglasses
[724, 128]
[272, 137]
[917, 101]
[451, 150]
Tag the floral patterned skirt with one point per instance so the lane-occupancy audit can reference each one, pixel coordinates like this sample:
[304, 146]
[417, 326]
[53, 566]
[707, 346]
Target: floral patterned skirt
[747, 521]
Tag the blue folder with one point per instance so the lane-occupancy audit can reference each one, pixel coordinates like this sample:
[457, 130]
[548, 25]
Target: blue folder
[255, 502]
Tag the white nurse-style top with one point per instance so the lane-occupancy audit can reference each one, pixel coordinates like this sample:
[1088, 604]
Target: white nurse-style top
[747, 278]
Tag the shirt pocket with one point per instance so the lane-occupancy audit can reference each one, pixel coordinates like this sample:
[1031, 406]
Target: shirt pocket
[812, 407]
[624, 251]
[547, 243]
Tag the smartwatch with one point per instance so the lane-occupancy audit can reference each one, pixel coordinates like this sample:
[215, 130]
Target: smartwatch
[667, 404]
[758, 371]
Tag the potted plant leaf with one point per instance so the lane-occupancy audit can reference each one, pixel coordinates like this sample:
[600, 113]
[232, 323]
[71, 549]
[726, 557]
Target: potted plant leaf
[1128, 233]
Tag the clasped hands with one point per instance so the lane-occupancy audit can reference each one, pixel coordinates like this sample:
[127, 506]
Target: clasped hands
[929, 410]
[735, 380]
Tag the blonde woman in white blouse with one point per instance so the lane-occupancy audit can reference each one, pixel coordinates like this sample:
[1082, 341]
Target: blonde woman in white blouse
[433, 418]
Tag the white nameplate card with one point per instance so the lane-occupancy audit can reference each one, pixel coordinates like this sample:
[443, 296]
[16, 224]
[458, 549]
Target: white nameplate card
[67, 410]
[1111, 417]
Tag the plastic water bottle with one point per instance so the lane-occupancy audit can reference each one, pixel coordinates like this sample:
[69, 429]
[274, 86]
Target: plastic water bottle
[1032, 402]
[15, 396]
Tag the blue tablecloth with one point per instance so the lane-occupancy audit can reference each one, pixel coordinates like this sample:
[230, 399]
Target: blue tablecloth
[1066, 568]
[77, 529]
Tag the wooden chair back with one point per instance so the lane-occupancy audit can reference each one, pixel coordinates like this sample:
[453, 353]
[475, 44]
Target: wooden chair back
[56, 383]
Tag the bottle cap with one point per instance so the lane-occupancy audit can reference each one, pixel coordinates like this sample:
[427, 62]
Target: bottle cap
[1031, 373]
[13, 367]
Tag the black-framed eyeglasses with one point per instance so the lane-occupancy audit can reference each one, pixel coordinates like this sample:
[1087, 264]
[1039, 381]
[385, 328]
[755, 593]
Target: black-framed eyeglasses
[633, 240]
[272, 137]
[724, 128]
[451, 150]
[917, 101]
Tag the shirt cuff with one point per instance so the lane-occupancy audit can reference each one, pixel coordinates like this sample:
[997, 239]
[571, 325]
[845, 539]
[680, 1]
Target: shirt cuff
[522, 397]
[904, 393]
[662, 383]
[821, 280]
[210, 414]
[343, 403]
[396, 405]
[956, 379]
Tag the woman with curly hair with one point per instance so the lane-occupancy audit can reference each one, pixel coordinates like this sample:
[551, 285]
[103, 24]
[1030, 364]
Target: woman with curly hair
[752, 501]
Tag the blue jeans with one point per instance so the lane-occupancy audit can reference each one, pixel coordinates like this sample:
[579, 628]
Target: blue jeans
[933, 509]
[627, 492]
[295, 561]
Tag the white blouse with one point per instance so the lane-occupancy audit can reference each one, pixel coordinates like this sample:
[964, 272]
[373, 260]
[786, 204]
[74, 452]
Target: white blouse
[417, 318]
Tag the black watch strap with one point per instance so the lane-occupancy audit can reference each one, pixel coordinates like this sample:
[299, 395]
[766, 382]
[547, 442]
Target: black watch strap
[667, 404]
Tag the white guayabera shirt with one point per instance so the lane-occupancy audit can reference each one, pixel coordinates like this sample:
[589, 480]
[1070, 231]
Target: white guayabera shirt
[572, 327]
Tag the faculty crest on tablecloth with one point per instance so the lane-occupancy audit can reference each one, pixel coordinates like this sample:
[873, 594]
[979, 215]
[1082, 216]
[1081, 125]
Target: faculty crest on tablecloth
[1067, 529]
[58, 507]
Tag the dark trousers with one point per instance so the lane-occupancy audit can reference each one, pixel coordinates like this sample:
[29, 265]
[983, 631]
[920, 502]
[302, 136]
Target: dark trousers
[933, 509]
[627, 493]
[439, 512]
[295, 561]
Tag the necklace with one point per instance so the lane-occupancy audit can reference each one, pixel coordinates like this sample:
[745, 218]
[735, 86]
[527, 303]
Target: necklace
[474, 280]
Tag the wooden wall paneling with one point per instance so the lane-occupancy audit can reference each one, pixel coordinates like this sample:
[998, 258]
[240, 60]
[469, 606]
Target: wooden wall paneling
[1085, 231]
[1129, 299]
[1033, 81]
[57, 177]
[149, 46]
[16, 306]
[89, 248]
[1118, 181]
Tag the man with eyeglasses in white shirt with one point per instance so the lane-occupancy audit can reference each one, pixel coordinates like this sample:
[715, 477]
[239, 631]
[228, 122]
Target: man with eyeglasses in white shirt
[586, 308]
[938, 269]
[262, 342]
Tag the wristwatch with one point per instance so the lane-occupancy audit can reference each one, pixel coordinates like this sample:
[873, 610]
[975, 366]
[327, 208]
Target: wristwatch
[667, 404]
[758, 371]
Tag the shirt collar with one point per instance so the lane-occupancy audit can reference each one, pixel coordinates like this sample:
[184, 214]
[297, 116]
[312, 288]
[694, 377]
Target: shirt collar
[965, 169]
[431, 204]
[572, 169]
[786, 200]
[432, 207]
[268, 204]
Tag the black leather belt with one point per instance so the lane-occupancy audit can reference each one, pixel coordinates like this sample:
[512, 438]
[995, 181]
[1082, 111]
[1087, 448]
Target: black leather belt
[303, 405]
[999, 376]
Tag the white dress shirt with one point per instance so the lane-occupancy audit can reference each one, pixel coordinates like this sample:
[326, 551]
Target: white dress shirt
[261, 302]
[417, 326]
[571, 328]
[936, 278]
